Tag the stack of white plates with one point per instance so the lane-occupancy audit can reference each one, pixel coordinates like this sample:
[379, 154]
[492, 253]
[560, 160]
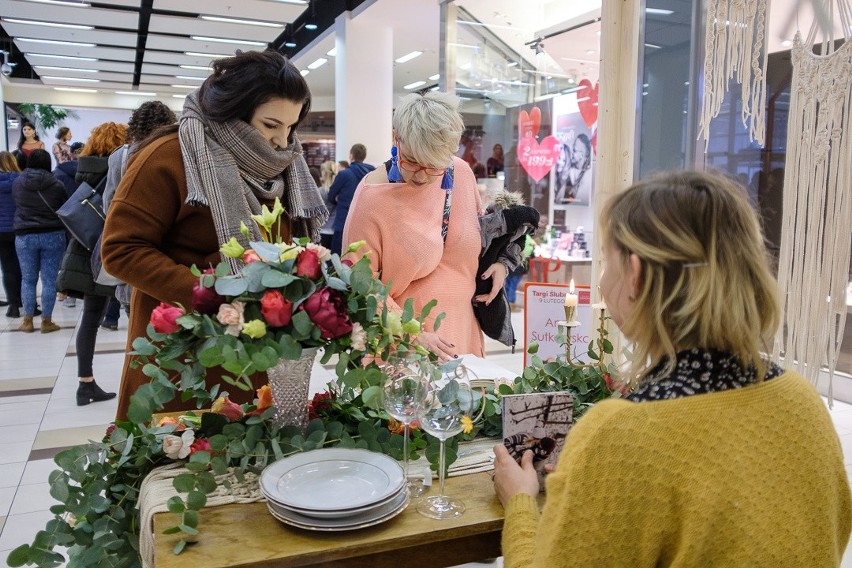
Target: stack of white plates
[334, 489]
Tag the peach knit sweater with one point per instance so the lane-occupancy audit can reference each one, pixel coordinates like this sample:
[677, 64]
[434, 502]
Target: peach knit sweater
[402, 227]
[751, 477]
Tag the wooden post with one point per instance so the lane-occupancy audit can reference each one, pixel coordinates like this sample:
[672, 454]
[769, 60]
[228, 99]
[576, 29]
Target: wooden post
[617, 110]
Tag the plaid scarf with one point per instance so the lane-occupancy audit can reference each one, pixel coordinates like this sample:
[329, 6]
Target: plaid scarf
[230, 167]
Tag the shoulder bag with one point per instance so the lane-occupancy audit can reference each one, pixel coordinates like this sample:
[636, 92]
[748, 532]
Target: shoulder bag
[83, 213]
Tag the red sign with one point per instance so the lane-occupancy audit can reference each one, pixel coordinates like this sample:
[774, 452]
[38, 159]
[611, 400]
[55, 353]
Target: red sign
[538, 159]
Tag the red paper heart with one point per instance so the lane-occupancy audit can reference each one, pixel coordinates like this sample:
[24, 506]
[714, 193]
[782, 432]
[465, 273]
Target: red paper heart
[529, 124]
[538, 159]
[587, 100]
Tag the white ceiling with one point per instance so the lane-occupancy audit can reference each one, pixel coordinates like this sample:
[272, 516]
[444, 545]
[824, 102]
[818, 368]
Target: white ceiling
[415, 24]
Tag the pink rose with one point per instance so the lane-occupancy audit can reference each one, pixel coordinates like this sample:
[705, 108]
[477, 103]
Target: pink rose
[231, 315]
[276, 309]
[200, 445]
[230, 410]
[250, 256]
[206, 300]
[327, 309]
[308, 265]
[164, 318]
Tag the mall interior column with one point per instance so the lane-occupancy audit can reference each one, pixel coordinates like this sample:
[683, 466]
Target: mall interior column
[363, 86]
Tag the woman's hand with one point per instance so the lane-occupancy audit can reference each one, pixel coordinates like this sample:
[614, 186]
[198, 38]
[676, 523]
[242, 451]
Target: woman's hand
[434, 343]
[498, 273]
[511, 479]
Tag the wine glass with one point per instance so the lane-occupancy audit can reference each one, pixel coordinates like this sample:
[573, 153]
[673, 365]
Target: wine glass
[404, 396]
[448, 400]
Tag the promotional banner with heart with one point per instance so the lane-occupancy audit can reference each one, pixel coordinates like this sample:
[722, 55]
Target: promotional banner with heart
[538, 159]
[529, 124]
[587, 100]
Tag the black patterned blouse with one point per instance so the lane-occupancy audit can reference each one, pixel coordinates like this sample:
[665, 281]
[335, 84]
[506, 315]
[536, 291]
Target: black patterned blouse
[698, 371]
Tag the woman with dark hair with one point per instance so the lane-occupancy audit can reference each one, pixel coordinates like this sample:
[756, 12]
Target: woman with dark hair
[495, 162]
[9, 172]
[77, 279]
[39, 237]
[186, 190]
[62, 149]
[28, 142]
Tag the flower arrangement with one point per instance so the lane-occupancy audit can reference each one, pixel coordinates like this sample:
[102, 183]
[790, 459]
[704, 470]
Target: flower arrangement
[286, 298]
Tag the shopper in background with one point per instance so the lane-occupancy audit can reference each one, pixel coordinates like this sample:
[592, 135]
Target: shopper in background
[718, 457]
[61, 148]
[27, 143]
[495, 162]
[235, 149]
[66, 172]
[146, 119]
[422, 241]
[77, 279]
[342, 191]
[9, 172]
[328, 171]
[342, 165]
[39, 237]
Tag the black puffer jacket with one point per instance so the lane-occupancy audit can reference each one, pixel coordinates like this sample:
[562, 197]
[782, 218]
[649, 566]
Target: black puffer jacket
[91, 169]
[32, 213]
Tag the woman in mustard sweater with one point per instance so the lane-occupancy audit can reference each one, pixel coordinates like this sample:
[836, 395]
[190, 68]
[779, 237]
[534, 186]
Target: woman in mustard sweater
[718, 457]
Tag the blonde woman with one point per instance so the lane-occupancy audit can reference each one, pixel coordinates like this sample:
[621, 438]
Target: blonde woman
[718, 457]
[328, 171]
[419, 215]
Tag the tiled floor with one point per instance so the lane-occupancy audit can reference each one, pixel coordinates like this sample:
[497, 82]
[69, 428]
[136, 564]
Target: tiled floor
[39, 417]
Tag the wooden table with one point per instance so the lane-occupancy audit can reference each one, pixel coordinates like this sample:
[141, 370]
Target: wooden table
[247, 535]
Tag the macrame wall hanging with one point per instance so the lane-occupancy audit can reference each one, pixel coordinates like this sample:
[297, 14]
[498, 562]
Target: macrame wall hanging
[817, 216]
[735, 46]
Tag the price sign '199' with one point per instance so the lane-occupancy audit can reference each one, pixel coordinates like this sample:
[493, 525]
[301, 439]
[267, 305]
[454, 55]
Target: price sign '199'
[538, 158]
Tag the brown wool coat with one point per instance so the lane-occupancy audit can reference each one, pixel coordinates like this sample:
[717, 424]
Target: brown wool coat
[151, 239]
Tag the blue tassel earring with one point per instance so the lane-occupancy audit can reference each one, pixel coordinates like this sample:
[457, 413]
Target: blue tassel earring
[393, 174]
[447, 180]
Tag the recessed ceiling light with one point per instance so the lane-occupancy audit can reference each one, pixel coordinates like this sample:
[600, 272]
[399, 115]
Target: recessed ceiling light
[239, 21]
[179, 96]
[80, 79]
[200, 54]
[512, 64]
[408, 56]
[198, 67]
[414, 85]
[185, 86]
[659, 11]
[71, 57]
[75, 90]
[137, 93]
[75, 69]
[318, 63]
[786, 43]
[332, 52]
[289, 44]
[590, 51]
[464, 45]
[435, 77]
[465, 66]
[57, 42]
[63, 3]
[304, 72]
[190, 77]
[652, 46]
[48, 24]
[226, 40]
[310, 27]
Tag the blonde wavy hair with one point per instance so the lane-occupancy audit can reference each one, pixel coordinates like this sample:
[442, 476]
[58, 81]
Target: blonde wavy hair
[705, 273]
[8, 163]
[430, 126]
[328, 171]
[104, 139]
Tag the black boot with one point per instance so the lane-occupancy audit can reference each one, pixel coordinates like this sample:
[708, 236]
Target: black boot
[13, 311]
[37, 311]
[91, 392]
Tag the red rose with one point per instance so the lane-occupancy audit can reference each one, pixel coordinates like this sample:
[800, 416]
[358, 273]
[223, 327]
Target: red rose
[199, 445]
[327, 309]
[347, 262]
[308, 265]
[320, 403]
[250, 256]
[610, 384]
[230, 410]
[276, 309]
[206, 300]
[164, 318]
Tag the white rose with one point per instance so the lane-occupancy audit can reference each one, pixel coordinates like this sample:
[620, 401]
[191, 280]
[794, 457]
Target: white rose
[178, 447]
[359, 337]
[323, 253]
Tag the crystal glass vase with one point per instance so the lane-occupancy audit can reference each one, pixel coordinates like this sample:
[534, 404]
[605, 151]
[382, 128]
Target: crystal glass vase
[289, 381]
